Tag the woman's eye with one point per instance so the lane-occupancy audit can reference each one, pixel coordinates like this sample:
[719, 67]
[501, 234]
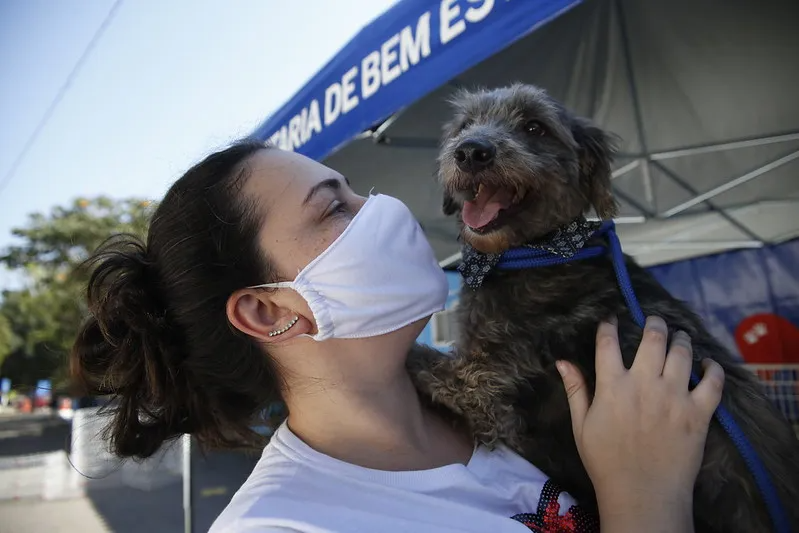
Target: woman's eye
[336, 208]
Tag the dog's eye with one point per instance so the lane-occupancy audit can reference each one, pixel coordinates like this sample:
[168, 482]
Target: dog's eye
[533, 127]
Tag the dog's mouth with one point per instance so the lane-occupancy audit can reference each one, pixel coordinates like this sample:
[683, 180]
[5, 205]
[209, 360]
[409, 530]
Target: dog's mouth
[487, 207]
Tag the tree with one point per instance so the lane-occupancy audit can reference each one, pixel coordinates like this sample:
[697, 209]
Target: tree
[8, 341]
[41, 319]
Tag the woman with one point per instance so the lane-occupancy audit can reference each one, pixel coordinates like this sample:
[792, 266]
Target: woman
[266, 277]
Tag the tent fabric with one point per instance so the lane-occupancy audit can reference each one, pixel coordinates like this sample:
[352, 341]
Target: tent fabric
[701, 92]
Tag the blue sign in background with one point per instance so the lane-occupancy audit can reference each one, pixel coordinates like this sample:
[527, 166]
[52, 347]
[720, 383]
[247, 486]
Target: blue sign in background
[724, 289]
[43, 388]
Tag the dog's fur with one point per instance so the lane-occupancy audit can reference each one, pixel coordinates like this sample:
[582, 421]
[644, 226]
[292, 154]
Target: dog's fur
[502, 379]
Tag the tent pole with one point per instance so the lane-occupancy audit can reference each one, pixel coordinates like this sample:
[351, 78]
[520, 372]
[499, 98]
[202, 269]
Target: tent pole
[729, 145]
[691, 245]
[449, 261]
[763, 202]
[187, 489]
[407, 142]
[380, 132]
[735, 182]
[629, 167]
[636, 103]
[734, 144]
[713, 207]
[648, 213]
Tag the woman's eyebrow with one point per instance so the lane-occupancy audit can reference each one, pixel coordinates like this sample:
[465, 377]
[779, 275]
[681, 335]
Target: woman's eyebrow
[330, 183]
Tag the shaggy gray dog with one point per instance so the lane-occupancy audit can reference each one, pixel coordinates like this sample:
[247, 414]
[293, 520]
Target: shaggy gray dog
[520, 169]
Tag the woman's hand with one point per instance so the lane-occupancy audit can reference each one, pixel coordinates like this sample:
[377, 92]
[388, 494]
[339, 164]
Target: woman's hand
[642, 437]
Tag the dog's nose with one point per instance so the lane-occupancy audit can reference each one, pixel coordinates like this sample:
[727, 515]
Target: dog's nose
[474, 155]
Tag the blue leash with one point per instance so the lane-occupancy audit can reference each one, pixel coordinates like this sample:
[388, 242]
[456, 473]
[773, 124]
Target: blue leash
[523, 258]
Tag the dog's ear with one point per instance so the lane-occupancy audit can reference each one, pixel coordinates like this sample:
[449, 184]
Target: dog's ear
[449, 205]
[597, 148]
[449, 130]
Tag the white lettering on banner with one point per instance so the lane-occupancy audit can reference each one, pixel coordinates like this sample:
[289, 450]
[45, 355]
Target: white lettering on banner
[396, 56]
[476, 14]
[450, 11]
[300, 128]
[314, 120]
[332, 103]
[370, 74]
[294, 131]
[388, 55]
[339, 97]
[348, 86]
[413, 50]
[379, 68]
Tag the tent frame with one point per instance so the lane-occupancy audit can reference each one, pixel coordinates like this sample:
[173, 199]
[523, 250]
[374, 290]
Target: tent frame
[645, 161]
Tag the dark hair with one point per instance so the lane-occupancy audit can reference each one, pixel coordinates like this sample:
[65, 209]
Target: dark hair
[158, 339]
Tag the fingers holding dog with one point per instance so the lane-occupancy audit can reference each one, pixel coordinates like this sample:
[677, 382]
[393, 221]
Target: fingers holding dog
[679, 362]
[643, 428]
[576, 392]
[651, 355]
[707, 394]
[609, 363]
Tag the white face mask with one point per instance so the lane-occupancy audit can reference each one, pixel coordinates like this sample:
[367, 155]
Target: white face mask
[378, 276]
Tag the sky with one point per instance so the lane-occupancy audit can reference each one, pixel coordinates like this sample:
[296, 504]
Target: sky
[166, 83]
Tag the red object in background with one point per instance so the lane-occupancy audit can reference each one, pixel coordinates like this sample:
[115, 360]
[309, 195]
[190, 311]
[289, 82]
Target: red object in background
[25, 405]
[766, 338]
[41, 401]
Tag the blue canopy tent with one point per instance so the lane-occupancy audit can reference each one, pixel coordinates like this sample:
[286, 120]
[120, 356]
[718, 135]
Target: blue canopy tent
[702, 93]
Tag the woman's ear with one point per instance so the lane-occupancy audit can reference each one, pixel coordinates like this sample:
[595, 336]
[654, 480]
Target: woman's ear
[255, 313]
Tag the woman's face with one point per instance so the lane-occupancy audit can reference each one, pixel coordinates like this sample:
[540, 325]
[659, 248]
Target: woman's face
[305, 206]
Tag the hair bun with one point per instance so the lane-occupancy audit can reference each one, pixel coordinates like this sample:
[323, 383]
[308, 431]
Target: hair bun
[158, 337]
[122, 289]
[128, 349]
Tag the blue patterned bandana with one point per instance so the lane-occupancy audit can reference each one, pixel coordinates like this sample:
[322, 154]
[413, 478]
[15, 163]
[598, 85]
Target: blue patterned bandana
[565, 242]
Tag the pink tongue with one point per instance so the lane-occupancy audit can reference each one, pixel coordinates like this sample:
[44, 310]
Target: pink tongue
[480, 212]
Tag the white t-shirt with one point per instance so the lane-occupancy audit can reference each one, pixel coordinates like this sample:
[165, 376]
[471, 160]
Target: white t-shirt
[295, 489]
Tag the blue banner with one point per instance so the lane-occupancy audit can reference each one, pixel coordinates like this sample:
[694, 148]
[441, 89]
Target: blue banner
[749, 299]
[410, 50]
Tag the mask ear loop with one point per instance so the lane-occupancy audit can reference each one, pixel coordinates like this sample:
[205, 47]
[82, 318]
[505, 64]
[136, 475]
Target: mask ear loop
[277, 285]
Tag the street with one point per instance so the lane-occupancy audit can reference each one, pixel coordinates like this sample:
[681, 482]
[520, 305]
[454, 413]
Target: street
[37, 481]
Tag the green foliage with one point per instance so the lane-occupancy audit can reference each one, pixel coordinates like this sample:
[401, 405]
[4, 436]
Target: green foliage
[8, 341]
[38, 323]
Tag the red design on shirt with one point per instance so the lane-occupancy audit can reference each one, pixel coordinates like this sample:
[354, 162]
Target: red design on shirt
[549, 520]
